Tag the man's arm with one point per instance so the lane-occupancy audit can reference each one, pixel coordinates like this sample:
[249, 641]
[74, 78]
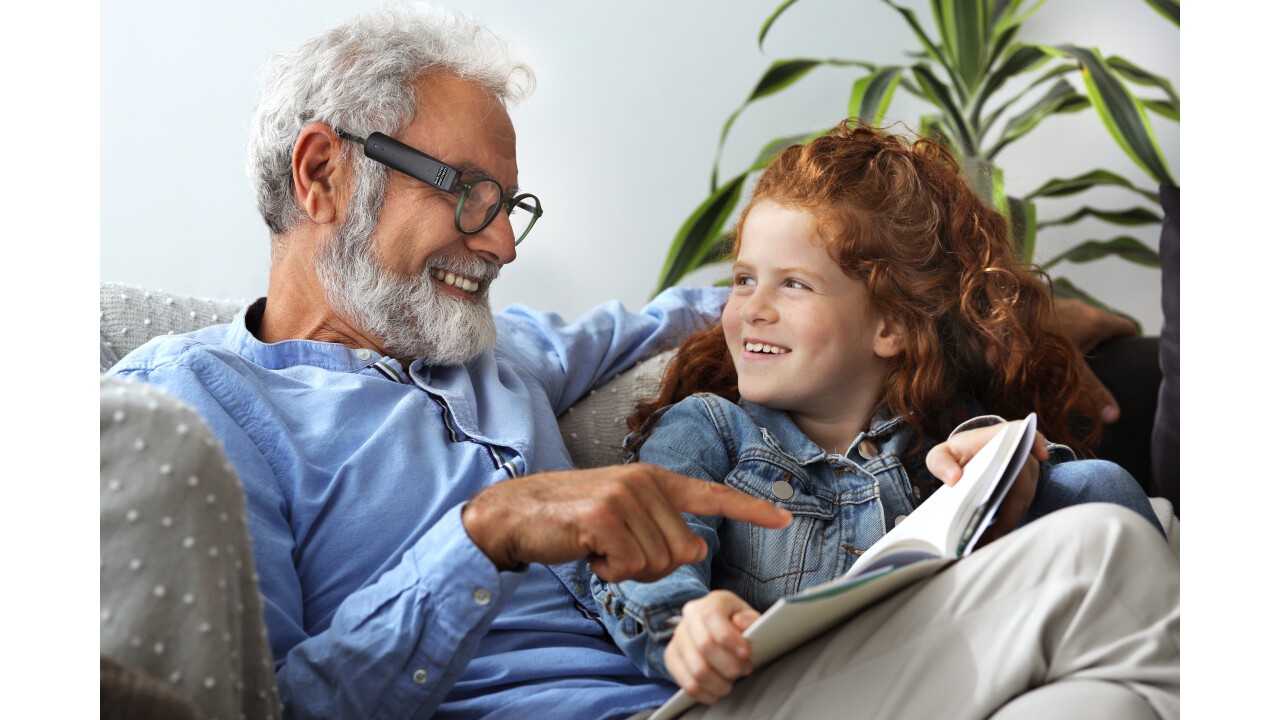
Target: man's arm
[571, 359]
[1086, 327]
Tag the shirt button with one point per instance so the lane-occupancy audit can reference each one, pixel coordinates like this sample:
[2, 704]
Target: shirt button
[481, 596]
[420, 676]
[783, 490]
[363, 354]
[867, 450]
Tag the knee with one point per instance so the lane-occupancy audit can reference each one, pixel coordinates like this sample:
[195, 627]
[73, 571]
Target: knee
[1097, 527]
[1097, 481]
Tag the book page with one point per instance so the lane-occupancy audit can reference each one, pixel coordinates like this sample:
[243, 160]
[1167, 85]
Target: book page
[956, 513]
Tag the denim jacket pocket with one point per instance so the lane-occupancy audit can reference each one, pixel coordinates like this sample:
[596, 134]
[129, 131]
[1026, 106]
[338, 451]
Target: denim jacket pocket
[762, 565]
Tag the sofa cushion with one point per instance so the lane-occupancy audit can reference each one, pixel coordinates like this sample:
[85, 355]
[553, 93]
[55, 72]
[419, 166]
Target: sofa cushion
[594, 427]
[130, 316]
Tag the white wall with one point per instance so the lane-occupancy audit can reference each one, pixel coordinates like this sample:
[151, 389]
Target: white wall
[617, 141]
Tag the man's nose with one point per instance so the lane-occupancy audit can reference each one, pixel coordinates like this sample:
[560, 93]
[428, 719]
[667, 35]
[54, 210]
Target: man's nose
[496, 243]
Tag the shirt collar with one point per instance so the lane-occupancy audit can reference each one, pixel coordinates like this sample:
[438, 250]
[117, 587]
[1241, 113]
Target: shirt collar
[289, 353]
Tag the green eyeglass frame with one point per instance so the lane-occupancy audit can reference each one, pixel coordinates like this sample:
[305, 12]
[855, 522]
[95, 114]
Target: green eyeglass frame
[478, 200]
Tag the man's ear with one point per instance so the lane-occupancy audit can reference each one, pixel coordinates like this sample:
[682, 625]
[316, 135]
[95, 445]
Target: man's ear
[319, 176]
[891, 337]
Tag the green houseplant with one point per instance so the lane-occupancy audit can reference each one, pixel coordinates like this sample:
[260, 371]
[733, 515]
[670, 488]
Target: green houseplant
[976, 58]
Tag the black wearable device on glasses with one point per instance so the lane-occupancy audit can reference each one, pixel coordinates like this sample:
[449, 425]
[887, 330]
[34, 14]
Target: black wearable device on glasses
[397, 155]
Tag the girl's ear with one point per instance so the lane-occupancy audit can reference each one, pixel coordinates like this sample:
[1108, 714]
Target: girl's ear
[891, 337]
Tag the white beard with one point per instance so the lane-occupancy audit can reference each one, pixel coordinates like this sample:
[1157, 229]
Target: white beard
[413, 318]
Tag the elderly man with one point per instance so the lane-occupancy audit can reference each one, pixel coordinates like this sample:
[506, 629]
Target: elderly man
[421, 540]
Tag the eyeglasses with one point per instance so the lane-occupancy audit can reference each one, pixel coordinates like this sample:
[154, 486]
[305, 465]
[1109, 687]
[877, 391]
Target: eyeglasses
[478, 200]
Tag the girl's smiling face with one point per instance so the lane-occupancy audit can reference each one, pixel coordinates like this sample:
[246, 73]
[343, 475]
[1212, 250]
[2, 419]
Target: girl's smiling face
[802, 334]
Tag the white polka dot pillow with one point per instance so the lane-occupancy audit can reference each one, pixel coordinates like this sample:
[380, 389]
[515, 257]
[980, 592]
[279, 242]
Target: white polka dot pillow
[131, 315]
[595, 426]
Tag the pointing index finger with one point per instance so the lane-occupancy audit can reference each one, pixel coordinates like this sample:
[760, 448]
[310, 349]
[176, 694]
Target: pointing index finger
[706, 498]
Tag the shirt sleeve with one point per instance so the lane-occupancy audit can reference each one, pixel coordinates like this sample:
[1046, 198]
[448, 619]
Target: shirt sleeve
[572, 358]
[395, 647]
[642, 617]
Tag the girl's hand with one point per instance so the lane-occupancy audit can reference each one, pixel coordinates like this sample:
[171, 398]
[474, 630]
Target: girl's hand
[708, 653]
[946, 461]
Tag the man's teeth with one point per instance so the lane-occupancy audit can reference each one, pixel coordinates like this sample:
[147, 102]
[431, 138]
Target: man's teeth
[455, 280]
[764, 348]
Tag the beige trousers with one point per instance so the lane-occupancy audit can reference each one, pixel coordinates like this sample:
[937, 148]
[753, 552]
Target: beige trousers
[1075, 615]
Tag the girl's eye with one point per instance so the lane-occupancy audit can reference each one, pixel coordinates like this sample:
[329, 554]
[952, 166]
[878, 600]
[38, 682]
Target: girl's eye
[796, 285]
[744, 280]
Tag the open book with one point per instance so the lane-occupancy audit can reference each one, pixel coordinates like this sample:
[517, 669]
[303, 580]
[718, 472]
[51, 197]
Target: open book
[945, 527]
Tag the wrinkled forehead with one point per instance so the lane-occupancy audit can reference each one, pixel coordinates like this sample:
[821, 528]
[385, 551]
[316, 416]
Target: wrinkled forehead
[463, 124]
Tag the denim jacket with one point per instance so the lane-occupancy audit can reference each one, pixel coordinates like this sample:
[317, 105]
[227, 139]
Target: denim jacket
[840, 505]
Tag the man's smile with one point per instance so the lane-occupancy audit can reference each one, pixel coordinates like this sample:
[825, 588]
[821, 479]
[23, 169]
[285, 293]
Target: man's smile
[464, 283]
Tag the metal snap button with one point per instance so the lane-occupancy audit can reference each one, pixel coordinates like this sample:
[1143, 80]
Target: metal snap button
[363, 354]
[481, 596]
[867, 450]
[420, 676]
[783, 490]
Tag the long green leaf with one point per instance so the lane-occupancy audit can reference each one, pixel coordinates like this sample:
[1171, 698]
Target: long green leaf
[1024, 58]
[698, 235]
[940, 96]
[998, 49]
[1171, 9]
[1122, 115]
[931, 48]
[965, 38]
[1132, 216]
[1061, 98]
[989, 121]
[1008, 18]
[779, 76]
[1135, 74]
[764, 29]
[1060, 187]
[872, 94]
[1126, 247]
[1163, 108]
[777, 145]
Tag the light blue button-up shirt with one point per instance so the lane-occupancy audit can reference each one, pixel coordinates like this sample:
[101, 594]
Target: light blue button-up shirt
[355, 470]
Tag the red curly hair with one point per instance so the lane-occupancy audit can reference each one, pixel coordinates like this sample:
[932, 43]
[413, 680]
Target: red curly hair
[979, 325]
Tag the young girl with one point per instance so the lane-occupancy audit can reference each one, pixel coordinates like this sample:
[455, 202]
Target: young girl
[876, 305]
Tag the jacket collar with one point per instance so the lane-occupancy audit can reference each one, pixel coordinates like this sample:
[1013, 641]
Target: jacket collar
[785, 436]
